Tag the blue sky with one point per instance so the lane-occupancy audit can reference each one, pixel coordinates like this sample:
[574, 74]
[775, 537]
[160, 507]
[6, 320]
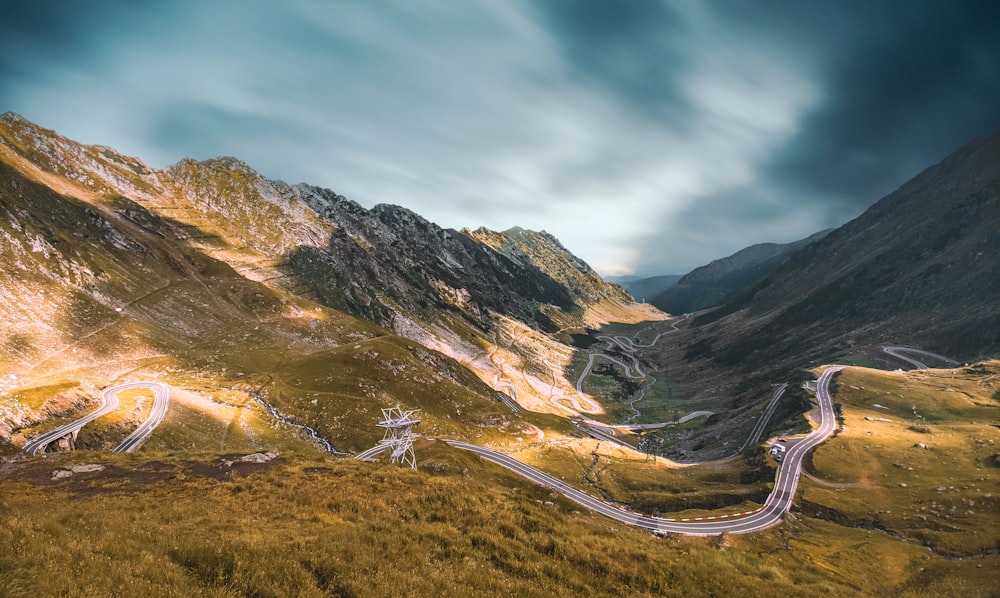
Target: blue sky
[649, 137]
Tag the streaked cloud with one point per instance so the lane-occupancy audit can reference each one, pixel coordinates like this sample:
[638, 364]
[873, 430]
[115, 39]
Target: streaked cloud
[648, 136]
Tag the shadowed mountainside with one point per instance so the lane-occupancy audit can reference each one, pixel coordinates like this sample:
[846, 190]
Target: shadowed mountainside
[710, 284]
[921, 266]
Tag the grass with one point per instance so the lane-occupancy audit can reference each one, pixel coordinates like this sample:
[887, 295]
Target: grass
[649, 486]
[339, 393]
[222, 422]
[111, 429]
[666, 401]
[310, 526]
[662, 438]
[663, 401]
[35, 397]
[945, 496]
[171, 520]
[856, 360]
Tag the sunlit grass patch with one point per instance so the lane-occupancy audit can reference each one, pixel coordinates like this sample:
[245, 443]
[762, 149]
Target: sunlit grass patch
[916, 456]
[646, 484]
[314, 526]
[35, 397]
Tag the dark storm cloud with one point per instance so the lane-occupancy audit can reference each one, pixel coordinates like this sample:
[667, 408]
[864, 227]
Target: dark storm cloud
[35, 35]
[649, 136]
[633, 50]
[205, 131]
[920, 82]
[902, 85]
[29, 35]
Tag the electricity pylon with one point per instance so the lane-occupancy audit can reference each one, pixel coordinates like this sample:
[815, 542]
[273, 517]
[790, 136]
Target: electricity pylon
[399, 434]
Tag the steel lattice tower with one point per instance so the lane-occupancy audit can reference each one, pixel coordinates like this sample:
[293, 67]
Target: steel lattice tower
[399, 434]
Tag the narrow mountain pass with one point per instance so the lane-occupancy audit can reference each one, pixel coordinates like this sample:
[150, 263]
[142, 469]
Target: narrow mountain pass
[109, 398]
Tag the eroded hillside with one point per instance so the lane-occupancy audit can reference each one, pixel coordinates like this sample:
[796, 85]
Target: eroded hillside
[213, 276]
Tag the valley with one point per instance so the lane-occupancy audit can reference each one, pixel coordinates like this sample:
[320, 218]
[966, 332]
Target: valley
[292, 524]
[203, 336]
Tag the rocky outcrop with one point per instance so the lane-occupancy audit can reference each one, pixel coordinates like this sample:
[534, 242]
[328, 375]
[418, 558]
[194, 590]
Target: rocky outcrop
[390, 258]
[98, 246]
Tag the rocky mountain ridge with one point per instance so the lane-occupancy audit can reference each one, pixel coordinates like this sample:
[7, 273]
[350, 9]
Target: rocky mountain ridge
[145, 262]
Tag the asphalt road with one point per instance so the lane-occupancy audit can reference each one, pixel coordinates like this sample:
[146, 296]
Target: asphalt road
[897, 352]
[604, 434]
[634, 371]
[758, 427]
[655, 426]
[109, 397]
[510, 400]
[161, 400]
[770, 514]
[370, 454]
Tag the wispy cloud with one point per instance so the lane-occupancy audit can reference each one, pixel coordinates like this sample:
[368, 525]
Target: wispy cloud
[649, 136]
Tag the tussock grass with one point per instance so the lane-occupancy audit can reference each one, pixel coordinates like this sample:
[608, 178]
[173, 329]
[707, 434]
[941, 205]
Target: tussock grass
[876, 473]
[655, 487]
[339, 393]
[35, 397]
[458, 526]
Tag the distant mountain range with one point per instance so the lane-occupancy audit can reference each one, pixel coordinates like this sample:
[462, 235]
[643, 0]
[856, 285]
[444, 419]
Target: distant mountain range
[645, 288]
[217, 276]
[710, 284]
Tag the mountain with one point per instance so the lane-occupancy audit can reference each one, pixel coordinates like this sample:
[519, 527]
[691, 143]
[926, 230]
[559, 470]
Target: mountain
[278, 313]
[710, 284]
[645, 289]
[920, 267]
[210, 274]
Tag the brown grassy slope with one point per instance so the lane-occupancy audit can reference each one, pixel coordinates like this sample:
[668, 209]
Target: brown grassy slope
[874, 473]
[647, 486]
[340, 392]
[338, 527]
[386, 264]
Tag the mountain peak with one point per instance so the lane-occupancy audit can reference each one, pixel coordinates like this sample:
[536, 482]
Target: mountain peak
[226, 163]
[12, 117]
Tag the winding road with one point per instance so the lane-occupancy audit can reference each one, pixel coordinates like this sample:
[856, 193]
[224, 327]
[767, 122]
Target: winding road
[778, 502]
[765, 416]
[633, 371]
[370, 454]
[897, 352]
[510, 400]
[161, 400]
[109, 397]
[640, 427]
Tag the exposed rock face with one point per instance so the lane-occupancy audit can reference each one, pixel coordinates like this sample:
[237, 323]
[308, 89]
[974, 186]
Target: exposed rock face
[390, 257]
[105, 258]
